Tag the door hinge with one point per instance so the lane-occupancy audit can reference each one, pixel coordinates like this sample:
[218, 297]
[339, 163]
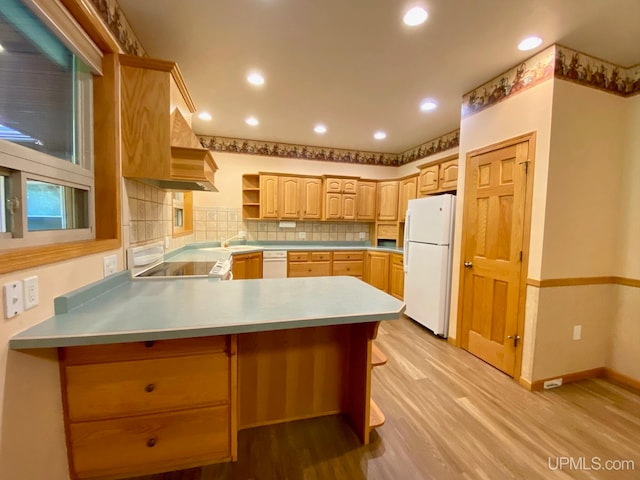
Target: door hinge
[526, 166]
[521, 255]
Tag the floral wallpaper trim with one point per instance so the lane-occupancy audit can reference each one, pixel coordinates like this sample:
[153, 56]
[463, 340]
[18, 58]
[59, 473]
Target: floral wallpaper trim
[306, 152]
[529, 73]
[113, 17]
[592, 72]
[554, 62]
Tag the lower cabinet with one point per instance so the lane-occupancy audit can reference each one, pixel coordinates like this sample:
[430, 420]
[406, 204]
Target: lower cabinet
[308, 264]
[130, 409]
[348, 263]
[247, 266]
[385, 271]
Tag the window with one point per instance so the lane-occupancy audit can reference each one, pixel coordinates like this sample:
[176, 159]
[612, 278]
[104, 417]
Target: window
[182, 207]
[46, 133]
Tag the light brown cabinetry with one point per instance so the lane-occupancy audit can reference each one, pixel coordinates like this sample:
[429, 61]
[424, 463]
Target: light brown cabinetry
[158, 145]
[439, 177]
[340, 198]
[311, 194]
[247, 266]
[348, 263]
[366, 201]
[308, 264]
[130, 409]
[387, 205]
[377, 270]
[408, 191]
[396, 276]
[283, 197]
[251, 197]
[289, 197]
[269, 196]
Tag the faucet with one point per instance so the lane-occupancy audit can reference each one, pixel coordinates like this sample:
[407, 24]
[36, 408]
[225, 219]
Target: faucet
[241, 235]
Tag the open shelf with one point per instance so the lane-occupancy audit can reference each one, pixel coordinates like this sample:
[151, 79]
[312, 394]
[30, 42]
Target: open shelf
[376, 417]
[377, 357]
[251, 196]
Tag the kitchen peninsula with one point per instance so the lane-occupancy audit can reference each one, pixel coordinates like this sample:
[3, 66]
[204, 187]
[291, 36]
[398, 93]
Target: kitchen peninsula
[160, 375]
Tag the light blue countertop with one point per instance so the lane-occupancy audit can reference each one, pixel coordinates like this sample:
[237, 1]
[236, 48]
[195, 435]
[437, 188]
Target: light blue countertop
[206, 250]
[118, 309]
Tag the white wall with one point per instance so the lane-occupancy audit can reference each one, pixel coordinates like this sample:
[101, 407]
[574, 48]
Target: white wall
[32, 441]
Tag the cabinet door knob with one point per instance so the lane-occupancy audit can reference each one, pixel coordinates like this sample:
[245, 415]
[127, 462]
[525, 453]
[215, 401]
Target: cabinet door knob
[150, 388]
[149, 343]
[151, 442]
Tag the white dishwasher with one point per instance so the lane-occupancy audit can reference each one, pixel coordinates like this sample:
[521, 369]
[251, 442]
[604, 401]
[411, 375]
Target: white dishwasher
[274, 263]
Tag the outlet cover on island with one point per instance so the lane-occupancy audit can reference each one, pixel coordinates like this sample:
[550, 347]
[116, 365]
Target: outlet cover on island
[110, 265]
[31, 292]
[13, 302]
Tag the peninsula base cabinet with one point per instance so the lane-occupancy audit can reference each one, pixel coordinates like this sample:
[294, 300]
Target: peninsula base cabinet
[140, 408]
[385, 271]
[247, 266]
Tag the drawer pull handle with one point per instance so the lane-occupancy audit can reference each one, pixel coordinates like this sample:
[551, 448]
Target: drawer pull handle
[309, 269]
[151, 442]
[150, 388]
[149, 343]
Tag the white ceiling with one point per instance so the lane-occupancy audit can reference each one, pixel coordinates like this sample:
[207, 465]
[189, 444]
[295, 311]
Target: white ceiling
[354, 66]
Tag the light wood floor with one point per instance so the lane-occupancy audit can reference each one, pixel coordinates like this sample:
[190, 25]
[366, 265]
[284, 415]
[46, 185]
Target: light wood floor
[448, 416]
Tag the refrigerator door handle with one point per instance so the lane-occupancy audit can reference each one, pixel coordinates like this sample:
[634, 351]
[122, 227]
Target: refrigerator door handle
[407, 230]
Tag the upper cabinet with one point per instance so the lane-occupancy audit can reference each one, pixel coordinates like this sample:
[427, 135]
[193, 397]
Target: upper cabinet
[387, 201]
[439, 177]
[408, 191]
[281, 196]
[366, 201]
[158, 145]
[311, 198]
[340, 198]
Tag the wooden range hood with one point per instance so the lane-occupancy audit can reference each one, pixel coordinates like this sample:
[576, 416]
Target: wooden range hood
[158, 145]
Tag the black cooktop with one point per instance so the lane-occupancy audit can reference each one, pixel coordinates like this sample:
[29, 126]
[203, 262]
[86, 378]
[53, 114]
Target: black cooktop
[179, 269]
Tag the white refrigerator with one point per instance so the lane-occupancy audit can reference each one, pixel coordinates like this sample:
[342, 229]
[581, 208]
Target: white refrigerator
[427, 261]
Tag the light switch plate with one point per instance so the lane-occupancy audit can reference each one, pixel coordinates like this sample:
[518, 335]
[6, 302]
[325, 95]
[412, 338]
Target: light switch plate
[13, 301]
[31, 292]
[110, 265]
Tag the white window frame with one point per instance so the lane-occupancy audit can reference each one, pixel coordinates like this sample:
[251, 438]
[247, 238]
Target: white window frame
[25, 163]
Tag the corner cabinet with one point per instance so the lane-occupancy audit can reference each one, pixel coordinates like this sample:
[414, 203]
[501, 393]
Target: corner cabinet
[130, 409]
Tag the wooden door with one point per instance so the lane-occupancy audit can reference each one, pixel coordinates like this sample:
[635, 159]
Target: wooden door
[408, 191]
[367, 201]
[349, 207]
[268, 196]
[428, 179]
[311, 198]
[448, 175]
[388, 201]
[289, 203]
[493, 251]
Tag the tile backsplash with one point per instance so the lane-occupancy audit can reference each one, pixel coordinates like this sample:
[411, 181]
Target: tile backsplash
[219, 223]
[148, 218]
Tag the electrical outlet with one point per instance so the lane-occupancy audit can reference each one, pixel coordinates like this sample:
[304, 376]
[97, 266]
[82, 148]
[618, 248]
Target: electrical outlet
[577, 332]
[13, 302]
[362, 235]
[110, 265]
[31, 292]
[167, 242]
[302, 235]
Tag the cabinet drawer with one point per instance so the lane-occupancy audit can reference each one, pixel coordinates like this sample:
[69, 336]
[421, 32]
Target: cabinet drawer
[138, 445]
[320, 256]
[387, 231]
[142, 350]
[298, 256]
[348, 268]
[342, 256]
[146, 386]
[309, 269]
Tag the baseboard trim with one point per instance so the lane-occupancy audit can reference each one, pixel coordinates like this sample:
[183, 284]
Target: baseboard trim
[523, 382]
[538, 385]
[611, 374]
[452, 341]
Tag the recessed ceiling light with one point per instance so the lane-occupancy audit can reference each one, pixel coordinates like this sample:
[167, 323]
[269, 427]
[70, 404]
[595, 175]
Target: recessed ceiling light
[379, 135]
[205, 116]
[415, 16]
[253, 121]
[255, 78]
[529, 43]
[428, 104]
[320, 129]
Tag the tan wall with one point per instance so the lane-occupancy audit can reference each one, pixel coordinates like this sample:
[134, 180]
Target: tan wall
[32, 442]
[583, 214]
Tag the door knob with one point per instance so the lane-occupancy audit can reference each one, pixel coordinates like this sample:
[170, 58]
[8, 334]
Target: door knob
[515, 339]
[468, 264]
